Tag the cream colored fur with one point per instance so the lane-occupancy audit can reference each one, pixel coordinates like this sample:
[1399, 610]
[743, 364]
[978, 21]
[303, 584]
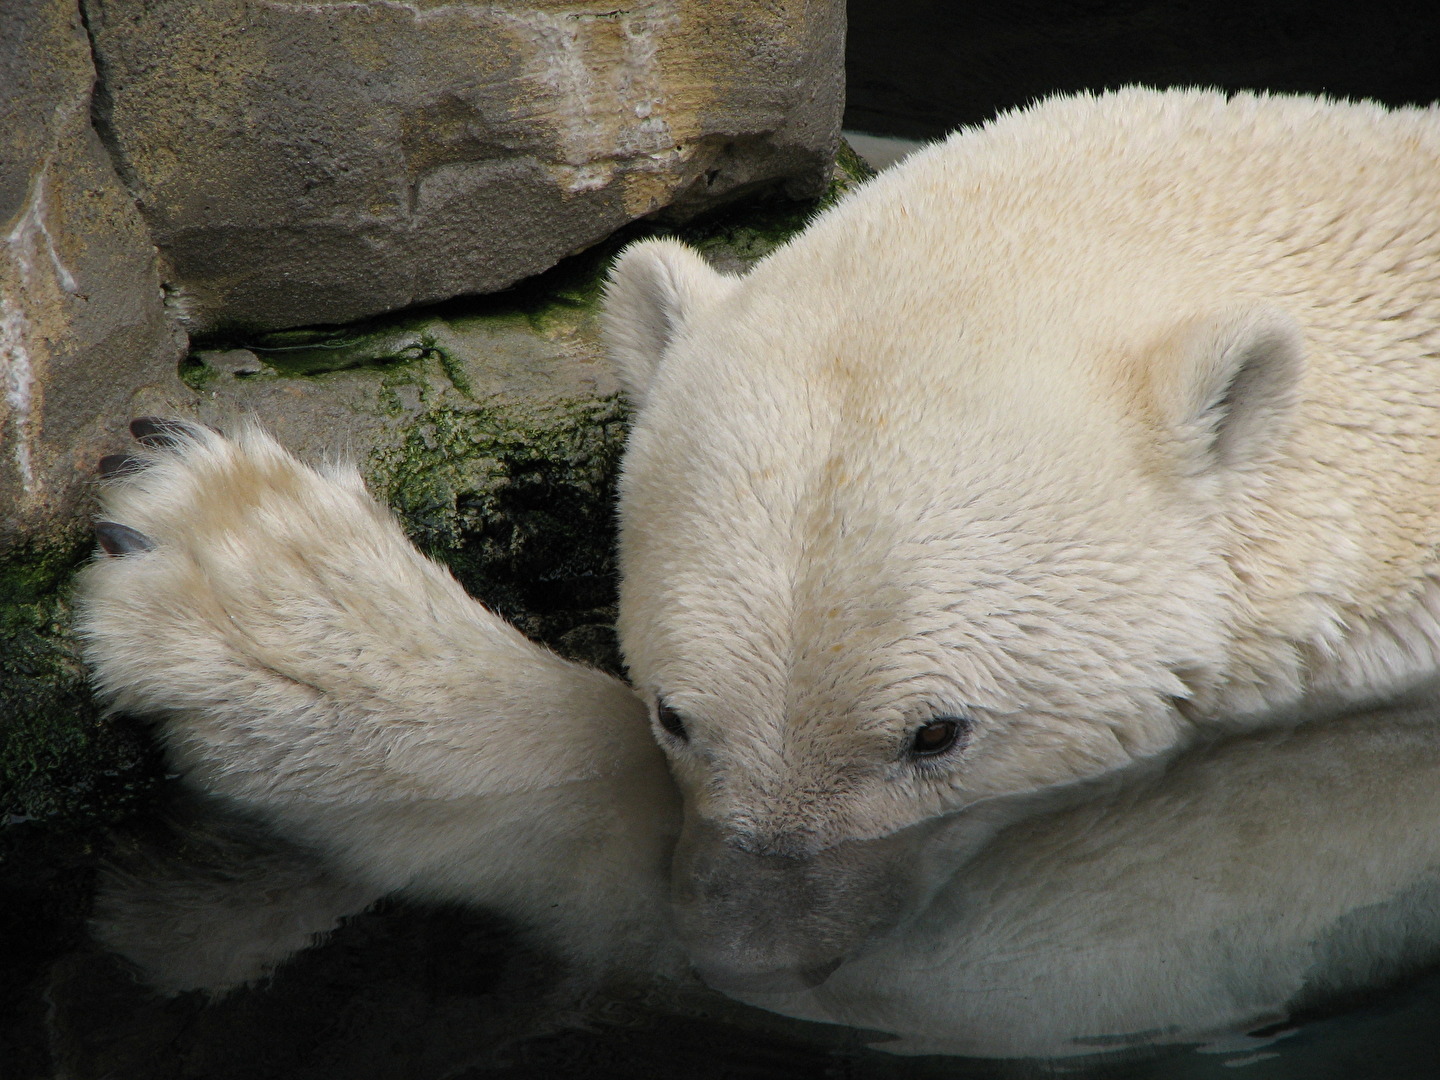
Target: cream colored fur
[310, 665]
[1115, 420]
[1262, 871]
[1105, 427]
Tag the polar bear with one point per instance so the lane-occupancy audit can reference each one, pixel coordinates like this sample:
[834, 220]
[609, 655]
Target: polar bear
[1098, 431]
[1113, 423]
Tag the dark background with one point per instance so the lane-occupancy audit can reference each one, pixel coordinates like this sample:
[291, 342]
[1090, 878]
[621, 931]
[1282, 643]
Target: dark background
[919, 68]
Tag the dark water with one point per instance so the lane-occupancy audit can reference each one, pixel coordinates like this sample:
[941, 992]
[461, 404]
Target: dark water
[400, 989]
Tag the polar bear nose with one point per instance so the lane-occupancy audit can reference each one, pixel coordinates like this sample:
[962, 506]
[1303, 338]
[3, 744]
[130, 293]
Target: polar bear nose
[766, 922]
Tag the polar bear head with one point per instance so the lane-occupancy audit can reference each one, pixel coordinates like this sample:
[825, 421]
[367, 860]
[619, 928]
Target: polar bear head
[900, 534]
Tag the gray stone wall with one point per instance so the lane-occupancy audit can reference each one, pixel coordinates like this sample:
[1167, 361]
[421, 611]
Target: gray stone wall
[84, 338]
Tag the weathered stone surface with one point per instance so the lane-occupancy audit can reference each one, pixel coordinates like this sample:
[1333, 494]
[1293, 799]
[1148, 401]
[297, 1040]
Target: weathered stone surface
[84, 337]
[317, 161]
[84, 344]
[230, 361]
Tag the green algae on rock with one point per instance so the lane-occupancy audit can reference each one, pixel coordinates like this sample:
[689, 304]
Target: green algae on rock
[517, 503]
[60, 758]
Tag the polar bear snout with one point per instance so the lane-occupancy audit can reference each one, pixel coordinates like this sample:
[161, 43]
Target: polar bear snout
[760, 922]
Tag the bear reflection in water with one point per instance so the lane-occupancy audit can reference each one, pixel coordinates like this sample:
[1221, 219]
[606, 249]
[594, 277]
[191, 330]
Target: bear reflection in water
[980, 549]
[1239, 884]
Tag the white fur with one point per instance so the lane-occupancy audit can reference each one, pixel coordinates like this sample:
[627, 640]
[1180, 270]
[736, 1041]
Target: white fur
[312, 666]
[1113, 421]
[1111, 424]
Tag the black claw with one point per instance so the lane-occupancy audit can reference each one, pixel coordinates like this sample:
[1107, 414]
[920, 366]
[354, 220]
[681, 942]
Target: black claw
[113, 465]
[159, 432]
[117, 539]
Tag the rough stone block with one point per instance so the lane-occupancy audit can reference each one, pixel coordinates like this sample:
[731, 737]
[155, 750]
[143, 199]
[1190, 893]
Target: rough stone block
[84, 344]
[317, 161]
[84, 338]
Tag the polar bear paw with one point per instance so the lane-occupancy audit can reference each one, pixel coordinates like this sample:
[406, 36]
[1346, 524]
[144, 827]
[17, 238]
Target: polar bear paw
[273, 615]
[226, 556]
[298, 649]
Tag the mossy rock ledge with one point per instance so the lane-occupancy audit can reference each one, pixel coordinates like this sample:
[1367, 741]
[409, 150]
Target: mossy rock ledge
[492, 425]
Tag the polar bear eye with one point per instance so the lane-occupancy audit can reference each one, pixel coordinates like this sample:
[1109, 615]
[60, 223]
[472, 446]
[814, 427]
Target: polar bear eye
[937, 736]
[670, 720]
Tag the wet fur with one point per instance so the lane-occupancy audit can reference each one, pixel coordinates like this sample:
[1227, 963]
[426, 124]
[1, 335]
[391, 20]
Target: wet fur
[1264, 870]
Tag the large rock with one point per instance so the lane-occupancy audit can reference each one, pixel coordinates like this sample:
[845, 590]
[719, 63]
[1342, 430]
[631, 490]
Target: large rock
[84, 338]
[318, 161]
[84, 345]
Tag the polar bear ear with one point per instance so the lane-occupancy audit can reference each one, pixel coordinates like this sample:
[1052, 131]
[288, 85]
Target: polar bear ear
[654, 287]
[1233, 386]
